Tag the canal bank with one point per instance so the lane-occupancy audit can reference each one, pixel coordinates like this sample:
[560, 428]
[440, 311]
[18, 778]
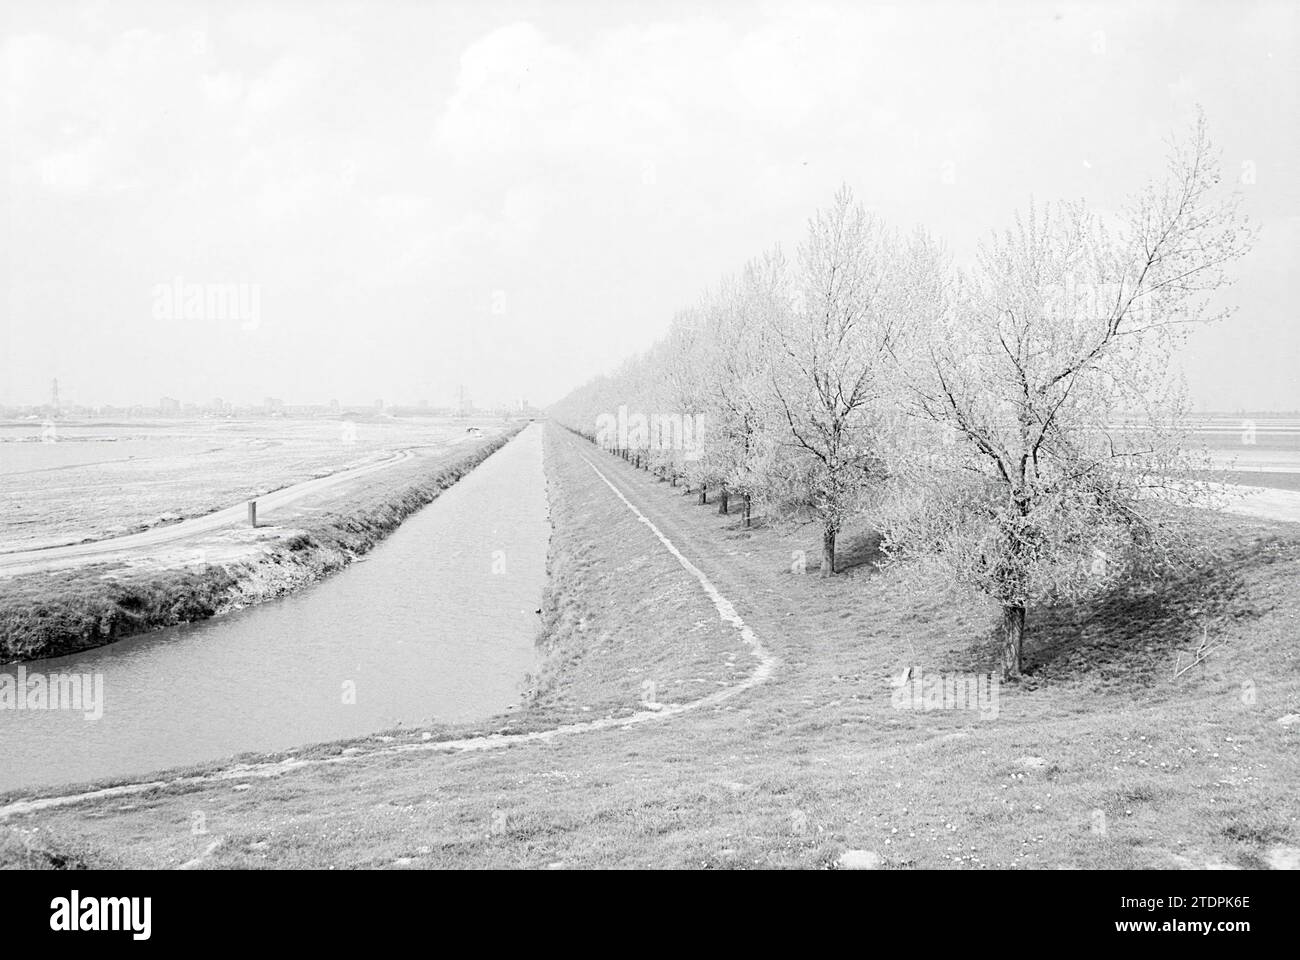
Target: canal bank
[57, 613]
[438, 625]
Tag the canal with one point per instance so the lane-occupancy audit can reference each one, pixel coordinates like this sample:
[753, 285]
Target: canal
[437, 623]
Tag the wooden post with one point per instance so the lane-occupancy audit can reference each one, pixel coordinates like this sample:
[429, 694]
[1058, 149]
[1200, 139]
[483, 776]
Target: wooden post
[252, 513]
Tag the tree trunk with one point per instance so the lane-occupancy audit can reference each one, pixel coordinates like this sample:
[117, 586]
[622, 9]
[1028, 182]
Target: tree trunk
[748, 506]
[828, 552]
[722, 500]
[704, 494]
[1013, 633]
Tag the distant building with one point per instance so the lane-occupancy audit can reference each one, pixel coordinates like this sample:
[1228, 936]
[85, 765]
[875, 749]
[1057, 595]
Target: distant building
[169, 406]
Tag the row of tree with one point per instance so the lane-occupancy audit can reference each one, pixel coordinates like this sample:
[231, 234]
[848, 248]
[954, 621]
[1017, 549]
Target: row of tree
[1011, 424]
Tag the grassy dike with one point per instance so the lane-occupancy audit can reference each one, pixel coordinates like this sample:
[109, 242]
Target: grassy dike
[63, 612]
[1101, 758]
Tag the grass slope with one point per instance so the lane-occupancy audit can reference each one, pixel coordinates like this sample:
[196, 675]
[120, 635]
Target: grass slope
[1102, 758]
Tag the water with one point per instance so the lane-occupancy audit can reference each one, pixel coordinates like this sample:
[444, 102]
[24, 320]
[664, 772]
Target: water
[438, 623]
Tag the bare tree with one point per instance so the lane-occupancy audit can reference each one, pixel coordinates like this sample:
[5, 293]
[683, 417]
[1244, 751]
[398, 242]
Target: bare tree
[1049, 375]
[737, 382]
[833, 351]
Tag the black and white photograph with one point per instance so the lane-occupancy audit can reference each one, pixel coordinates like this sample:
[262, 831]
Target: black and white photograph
[577, 436]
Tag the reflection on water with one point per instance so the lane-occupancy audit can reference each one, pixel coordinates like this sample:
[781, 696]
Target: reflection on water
[438, 623]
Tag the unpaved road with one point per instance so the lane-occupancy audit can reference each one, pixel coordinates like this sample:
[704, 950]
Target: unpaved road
[47, 558]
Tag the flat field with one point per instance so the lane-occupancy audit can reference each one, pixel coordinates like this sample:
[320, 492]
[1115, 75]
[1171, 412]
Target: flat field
[1260, 452]
[94, 480]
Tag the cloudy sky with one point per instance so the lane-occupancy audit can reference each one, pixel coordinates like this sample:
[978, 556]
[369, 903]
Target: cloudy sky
[514, 196]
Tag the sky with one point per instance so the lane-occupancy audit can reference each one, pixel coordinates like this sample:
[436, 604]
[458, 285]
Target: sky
[407, 198]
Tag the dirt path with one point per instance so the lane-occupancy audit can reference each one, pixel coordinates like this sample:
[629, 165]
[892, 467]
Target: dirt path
[766, 664]
[47, 558]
